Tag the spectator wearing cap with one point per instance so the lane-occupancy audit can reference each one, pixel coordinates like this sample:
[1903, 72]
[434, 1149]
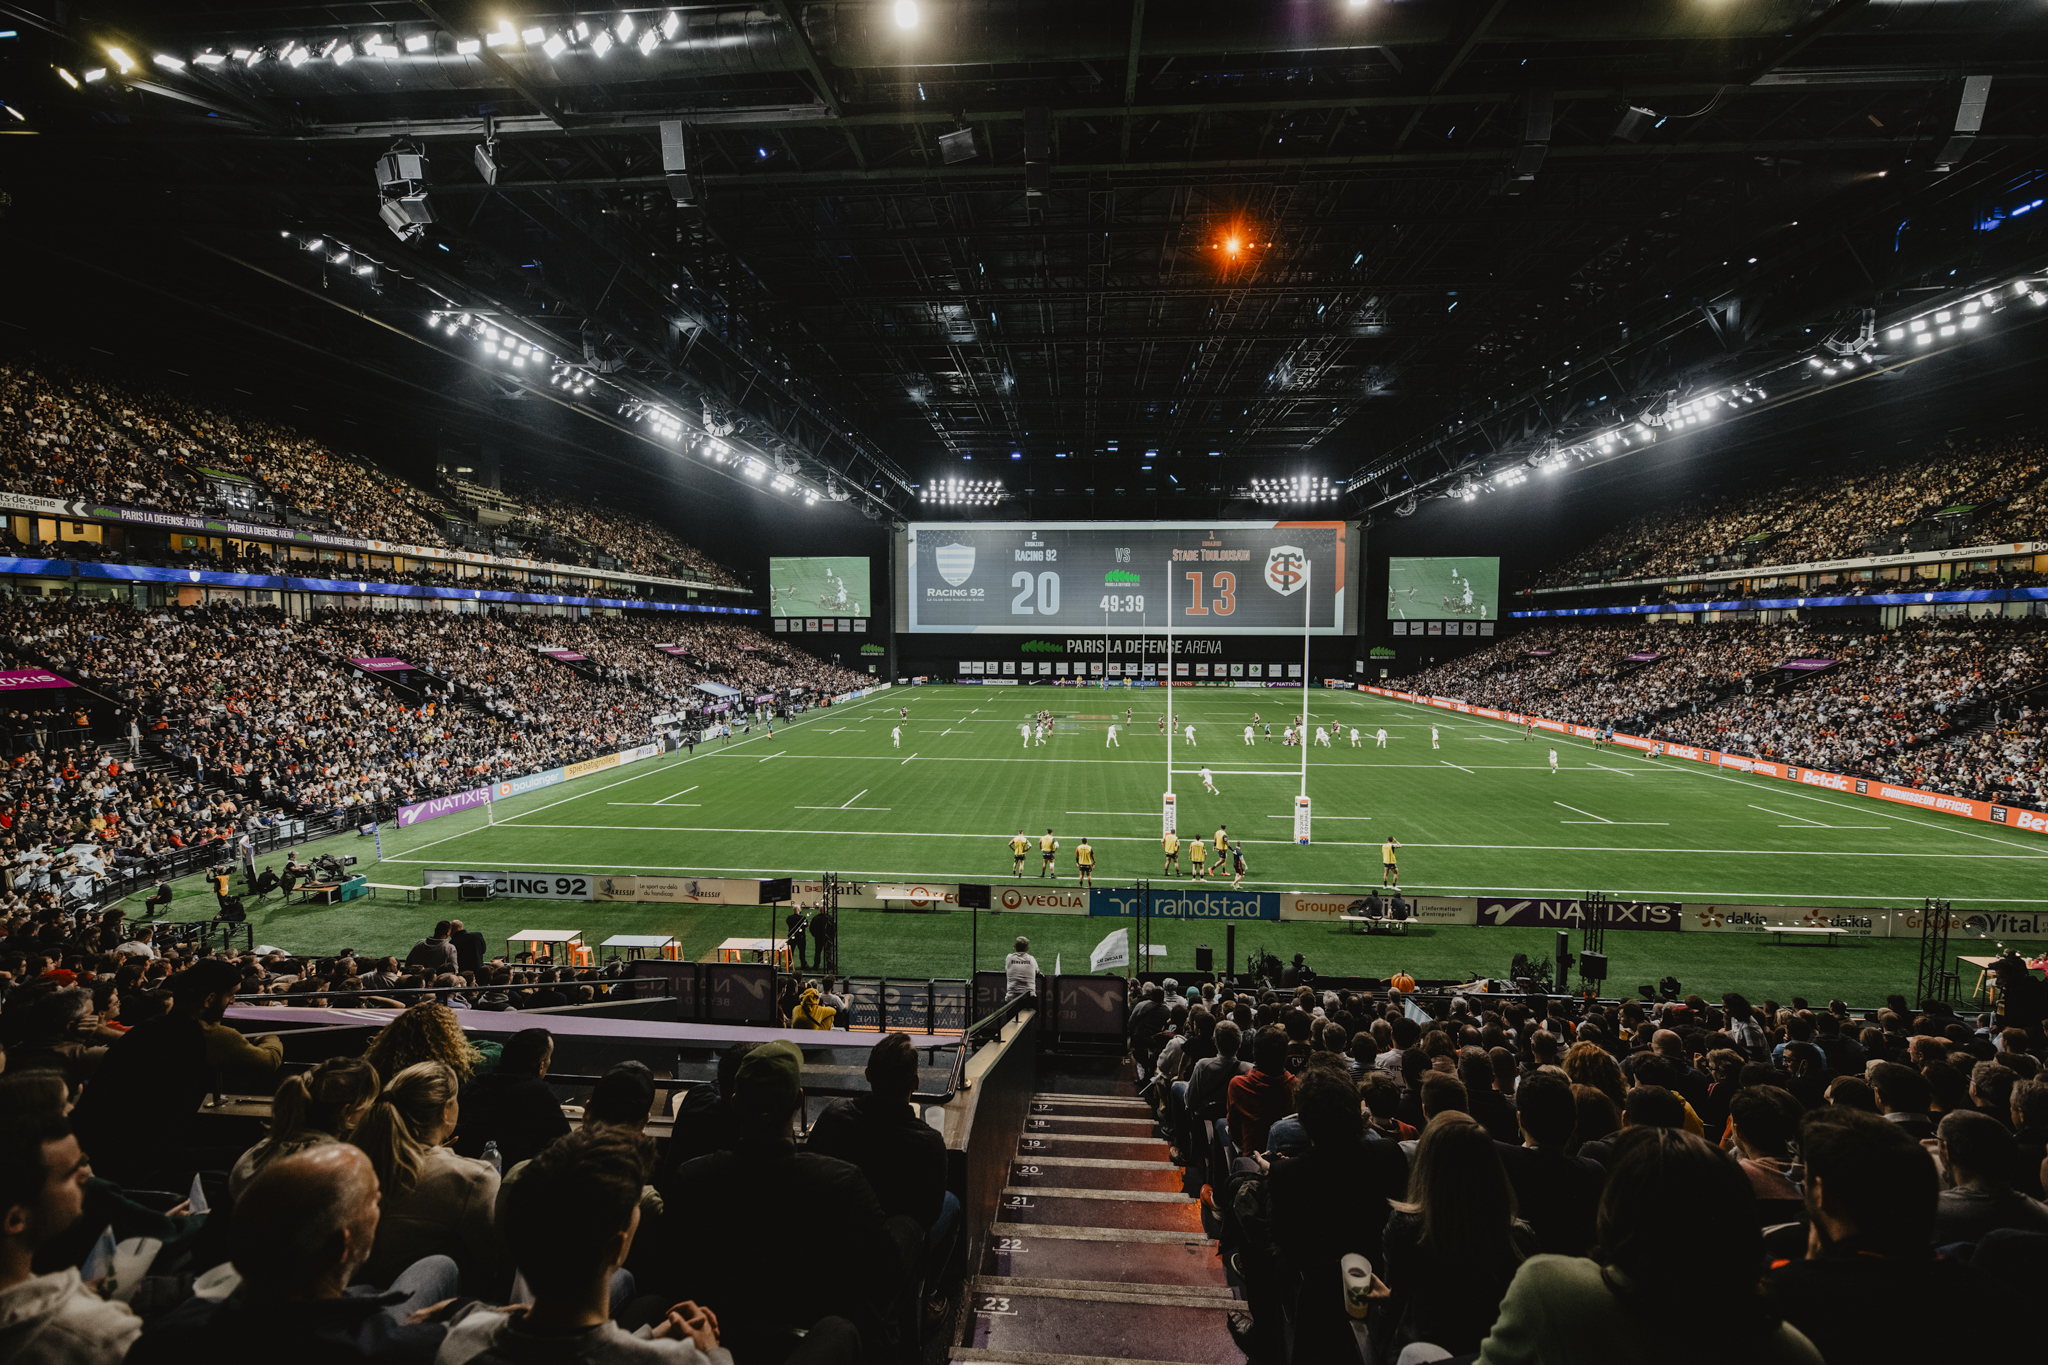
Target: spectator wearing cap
[1981, 1158]
[743, 1211]
[139, 1116]
[301, 1233]
[54, 1317]
[1869, 1286]
[513, 1106]
[902, 1156]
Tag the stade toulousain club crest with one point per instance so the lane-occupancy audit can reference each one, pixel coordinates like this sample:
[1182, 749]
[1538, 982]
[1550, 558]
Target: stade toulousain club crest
[956, 563]
[1286, 569]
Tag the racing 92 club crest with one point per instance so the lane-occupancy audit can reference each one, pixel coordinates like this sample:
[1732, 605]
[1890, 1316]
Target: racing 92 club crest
[955, 563]
[1286, 569]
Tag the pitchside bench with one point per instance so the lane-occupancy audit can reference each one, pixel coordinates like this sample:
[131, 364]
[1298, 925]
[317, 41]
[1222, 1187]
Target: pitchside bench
[1829, 934]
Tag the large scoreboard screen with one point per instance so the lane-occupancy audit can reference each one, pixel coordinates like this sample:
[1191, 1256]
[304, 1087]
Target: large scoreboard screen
[1227, 578]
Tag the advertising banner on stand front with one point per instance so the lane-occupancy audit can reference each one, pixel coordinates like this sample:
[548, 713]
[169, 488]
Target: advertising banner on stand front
[1536, 913]
[30, 679]
[443, 805]
[1762, 919]
[1328, 906]
[2013, 817]
[1174, 903]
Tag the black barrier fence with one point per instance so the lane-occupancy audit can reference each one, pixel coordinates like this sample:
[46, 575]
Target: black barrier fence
[937, 1006]
[716, 992]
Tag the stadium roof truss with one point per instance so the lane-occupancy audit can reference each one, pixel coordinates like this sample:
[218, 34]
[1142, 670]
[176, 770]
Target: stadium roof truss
[1413, 244]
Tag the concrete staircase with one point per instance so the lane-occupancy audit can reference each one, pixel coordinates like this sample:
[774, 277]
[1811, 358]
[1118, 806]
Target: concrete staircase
[1096, 1255]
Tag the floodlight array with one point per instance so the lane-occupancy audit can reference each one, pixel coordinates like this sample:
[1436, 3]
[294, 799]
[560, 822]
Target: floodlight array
[952, 492]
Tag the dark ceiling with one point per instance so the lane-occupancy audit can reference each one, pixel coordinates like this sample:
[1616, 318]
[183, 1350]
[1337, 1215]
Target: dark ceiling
[1405, 245]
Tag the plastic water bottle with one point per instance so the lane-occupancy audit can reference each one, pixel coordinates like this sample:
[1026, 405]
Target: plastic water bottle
[491, 1155]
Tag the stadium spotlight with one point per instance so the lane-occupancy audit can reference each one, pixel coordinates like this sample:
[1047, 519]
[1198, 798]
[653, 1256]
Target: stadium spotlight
[297, 56]
[121, 60]
[467, 47]
[486, 155]
[649, 40]
[168, 62]
[532, 35]
[601, 43]
[670, 24]
[96, 73]
[402, 190]
[906, 13]
[555, 46]
[209, 59]
[419, 42]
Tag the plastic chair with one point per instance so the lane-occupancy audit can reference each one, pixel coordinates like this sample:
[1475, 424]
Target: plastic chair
[579, 955]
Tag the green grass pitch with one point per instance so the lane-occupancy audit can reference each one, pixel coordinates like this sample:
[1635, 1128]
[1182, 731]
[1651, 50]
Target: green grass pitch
[1477, 813]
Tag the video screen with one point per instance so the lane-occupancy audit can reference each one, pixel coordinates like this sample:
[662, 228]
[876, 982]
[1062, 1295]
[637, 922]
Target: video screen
[1466, 588]
[835, 585]
[1218, 578]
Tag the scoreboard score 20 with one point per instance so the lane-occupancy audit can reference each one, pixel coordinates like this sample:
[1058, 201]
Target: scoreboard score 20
[1228, 578]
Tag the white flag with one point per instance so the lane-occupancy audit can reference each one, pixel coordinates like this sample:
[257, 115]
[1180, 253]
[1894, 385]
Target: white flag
[1113, 951]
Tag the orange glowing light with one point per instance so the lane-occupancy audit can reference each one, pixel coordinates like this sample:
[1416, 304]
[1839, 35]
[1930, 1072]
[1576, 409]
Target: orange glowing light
[1231, 245]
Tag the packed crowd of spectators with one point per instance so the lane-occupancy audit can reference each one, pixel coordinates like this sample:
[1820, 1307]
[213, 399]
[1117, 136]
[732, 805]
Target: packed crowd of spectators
[1886, 694]
[263, 714]
[1583, 673]
[1848, 511]
[633, 540]
[1897, 705]
[723, 652]
[429, 1198]
[1532, 1182]
[72, 433]
[2005, 760]
[1514, 1170]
